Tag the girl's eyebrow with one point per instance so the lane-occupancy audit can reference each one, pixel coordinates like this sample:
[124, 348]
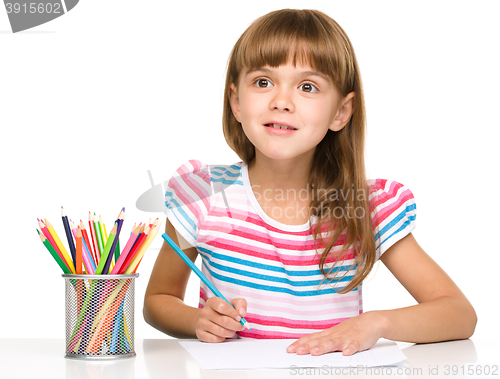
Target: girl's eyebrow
[302, 74]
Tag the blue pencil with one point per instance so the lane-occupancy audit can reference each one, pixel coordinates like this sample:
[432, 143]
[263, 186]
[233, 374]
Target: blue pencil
[199, 273]
[69, 236]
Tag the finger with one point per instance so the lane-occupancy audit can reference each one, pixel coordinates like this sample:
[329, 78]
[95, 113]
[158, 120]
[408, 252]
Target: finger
[205, 336]
[240, 305]
[218, 325]
[223, 308]
[351, 348]
[303, 341]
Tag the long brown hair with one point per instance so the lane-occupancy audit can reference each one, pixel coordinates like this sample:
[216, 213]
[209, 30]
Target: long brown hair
[311, 37]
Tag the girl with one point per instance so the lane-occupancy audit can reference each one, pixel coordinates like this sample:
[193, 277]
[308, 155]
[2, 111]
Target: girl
[290, 232]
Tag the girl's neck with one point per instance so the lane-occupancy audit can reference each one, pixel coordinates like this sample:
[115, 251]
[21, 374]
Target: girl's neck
[275, 174]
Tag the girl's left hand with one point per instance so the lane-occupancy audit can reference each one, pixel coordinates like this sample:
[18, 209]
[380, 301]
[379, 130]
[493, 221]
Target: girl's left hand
[350, 336]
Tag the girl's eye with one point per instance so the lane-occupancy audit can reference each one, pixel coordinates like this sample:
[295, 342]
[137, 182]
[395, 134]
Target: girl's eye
[308, 87]
[263, 83]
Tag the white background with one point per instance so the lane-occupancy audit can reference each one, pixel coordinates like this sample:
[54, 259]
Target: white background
[92, 100]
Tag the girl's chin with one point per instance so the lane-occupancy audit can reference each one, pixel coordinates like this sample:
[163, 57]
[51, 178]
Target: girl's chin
[280, 154]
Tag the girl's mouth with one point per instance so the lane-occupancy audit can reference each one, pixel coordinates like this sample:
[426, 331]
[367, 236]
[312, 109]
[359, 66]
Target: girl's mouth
[279, 126]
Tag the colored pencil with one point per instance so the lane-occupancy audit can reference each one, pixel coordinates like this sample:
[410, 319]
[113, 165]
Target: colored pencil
[61, 247]
[102, 227]
[119, 223]
[94, 238]
[106, 313]
[88, 262]
[78, 252]
[67, 229]
[137, 259]
[135, 249]
[201, 275]
[97, 230]
[46, 233]
[126, 250]
[86, 239]
[54, 254]
[105, 253]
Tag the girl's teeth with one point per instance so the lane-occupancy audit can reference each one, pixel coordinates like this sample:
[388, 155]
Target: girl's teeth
[277, 126]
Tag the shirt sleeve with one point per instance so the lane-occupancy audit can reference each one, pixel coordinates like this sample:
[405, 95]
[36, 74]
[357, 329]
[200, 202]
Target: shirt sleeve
[187, 198]
[393, 212]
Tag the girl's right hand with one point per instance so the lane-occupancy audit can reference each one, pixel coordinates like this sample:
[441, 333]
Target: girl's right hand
[218, 320]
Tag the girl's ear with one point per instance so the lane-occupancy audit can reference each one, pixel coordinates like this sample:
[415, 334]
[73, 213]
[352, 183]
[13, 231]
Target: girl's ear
[234, 101]
[344, 113]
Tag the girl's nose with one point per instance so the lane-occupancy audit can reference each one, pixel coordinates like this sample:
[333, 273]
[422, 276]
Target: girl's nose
[282, 102]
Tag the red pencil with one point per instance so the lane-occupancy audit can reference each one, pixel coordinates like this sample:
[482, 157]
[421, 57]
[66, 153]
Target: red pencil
[94, 239]
[142, 237]
[78, 261]
[87, 241]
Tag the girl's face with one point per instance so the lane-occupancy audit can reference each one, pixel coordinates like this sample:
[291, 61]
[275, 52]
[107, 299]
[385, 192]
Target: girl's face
[286, 111]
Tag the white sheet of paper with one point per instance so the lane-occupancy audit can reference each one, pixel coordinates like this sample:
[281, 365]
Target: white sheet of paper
[248, 354]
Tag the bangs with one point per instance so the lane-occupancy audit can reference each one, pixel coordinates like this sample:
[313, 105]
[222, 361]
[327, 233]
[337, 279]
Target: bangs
[305, 37]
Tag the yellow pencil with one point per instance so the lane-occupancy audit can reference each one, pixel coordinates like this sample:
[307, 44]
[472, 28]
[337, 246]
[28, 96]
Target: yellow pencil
[61, 247]
[131, 267]
[103, 231]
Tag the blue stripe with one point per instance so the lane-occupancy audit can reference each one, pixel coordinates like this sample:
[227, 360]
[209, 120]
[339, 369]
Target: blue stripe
[272, 288]
[209, 253]
[405, 224]
[225, 181]
[181, 212]
[301, 283]
[398, 218]
[224, 172]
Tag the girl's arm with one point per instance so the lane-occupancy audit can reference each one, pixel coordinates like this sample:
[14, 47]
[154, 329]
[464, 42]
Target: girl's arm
[164, 306]
[443, 312]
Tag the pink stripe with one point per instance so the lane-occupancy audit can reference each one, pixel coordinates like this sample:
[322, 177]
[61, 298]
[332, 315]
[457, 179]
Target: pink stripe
[262, 334]
[303, 313]
[389, 210]
[387, 195]
[185, 198]
[255, 219]
[278, 243]
[257, 334]
[182, 194]
[312, 259]
[289, 300]
[254, 319]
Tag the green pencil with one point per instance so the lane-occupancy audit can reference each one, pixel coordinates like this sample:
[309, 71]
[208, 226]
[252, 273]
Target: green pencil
[100, 240]
[54, 254]
[105, 253]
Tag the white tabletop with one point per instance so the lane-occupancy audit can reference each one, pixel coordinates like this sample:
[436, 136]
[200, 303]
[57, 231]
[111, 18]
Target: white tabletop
[165, 358]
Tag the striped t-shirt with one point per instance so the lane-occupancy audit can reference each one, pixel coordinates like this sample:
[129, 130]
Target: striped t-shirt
[274, 266]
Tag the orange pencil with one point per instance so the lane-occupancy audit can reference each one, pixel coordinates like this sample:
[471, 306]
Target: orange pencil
[78, 261]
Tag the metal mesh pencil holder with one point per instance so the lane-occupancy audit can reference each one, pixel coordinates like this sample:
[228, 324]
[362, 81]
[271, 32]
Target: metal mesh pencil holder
[100, 316]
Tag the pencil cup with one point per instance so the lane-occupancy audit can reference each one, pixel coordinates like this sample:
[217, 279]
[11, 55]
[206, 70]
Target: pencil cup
[100, 316]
